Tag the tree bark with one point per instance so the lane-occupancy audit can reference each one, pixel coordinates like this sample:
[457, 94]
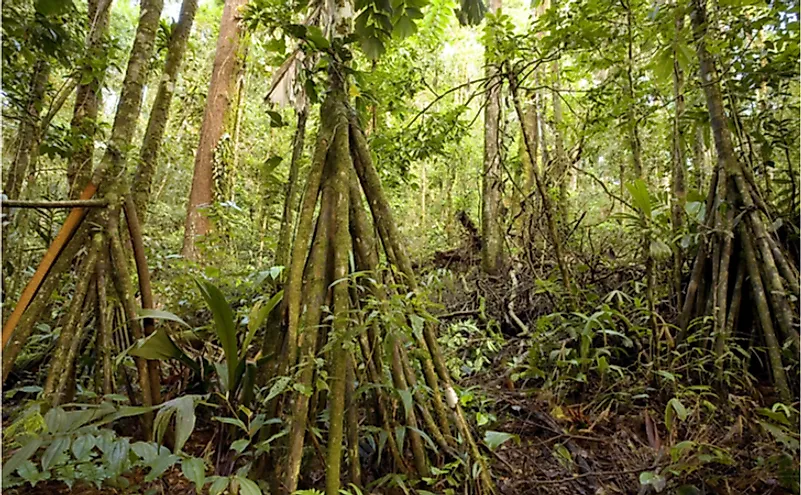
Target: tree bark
[291, 193]
[678, 184]
[88, 97]
[29, 132]
[218, 102]
[159, 114]
[492, 183]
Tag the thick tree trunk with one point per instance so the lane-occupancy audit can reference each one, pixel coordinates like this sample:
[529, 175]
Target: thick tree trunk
[88, 97]
[218, 102]
[492, 182]
[159, 114]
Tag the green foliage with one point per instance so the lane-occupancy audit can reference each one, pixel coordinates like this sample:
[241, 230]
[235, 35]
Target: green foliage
[72, 445]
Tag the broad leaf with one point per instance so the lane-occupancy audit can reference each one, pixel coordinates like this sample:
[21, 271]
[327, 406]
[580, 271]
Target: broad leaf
[20, 456]
[248, 487]
[494, 439]
[225, 326]
[195, 471]
[641, 197]
[157, 314]
[56, 448]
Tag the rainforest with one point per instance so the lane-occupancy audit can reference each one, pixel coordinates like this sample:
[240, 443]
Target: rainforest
[400, 247]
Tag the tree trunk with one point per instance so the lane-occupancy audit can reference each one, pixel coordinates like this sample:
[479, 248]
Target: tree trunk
[218, 102]
[28, 132]
[159, 114]
[740, 197]
[636, 161]
[561, 168]
[492, 183]
[88, 97]
[291, 192]
[679, 188]
[110, 179]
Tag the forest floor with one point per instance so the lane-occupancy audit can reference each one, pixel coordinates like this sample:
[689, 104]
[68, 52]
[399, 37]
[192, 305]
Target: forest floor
[585, 442]
[571, 449]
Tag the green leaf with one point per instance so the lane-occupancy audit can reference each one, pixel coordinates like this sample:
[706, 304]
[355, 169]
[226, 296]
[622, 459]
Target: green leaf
[775, 416]
[417, 325]
[157, 314]
[28, 472]
[494, 439]
[248, 487]
[677, 450]
[278, 387]
[56, 420]
[184, 420]
[53, 7]
[240, 445]
[256, 318]
[195, 471]
[20, 456]
[372, 47]
[162, 422]
[641, 197]
[657, 481]
[218, 486]
[147, 451]
[400, 435]
[679, 407]
[315, 36]
[159, 465]
[157, 345]
[118, 454]
[231, 421]
[406, 397]
[224, 324]
[82, 446]
[405, 27]
[56, 448]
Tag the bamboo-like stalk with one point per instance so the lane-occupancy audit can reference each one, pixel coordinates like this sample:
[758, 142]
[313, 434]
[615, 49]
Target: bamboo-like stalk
[143, 275]
[341, 247]
[788, 271]
[291, 191]
[30, 316]
[63, 237]
[420, 399]
[104, 343]
[765, 321]
[317, 279]
[122, 285]
[294, 284]
[696, 278]
[722, 288]
[382, 217]
[731, 318]
[65, 382]
[70, 333]
[399, 380]
[352, 415]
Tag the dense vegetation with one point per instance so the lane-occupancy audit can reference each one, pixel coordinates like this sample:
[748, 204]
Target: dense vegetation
[406, 246]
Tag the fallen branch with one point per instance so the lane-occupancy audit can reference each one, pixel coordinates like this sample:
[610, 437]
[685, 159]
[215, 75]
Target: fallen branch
[71, 203]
